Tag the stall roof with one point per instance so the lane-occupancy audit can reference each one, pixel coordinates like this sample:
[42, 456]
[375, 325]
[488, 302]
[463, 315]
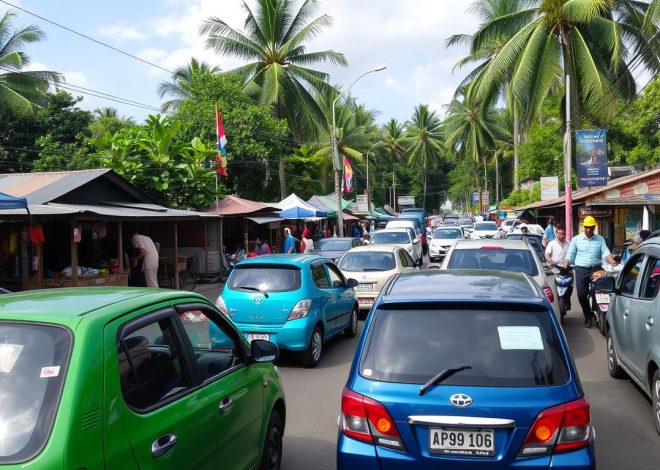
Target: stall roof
[292, 207]
[236, 206]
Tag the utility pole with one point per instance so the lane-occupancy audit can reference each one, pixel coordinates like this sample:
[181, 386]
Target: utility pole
[567, 164]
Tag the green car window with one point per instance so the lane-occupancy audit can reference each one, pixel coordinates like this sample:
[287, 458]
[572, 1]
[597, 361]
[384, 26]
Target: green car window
[33, 363]
[150, 365]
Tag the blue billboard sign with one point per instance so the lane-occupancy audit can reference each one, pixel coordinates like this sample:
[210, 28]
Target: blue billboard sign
[591, 158]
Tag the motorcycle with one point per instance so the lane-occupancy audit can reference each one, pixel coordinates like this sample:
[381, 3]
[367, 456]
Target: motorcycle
[600, 301]
[564, 283]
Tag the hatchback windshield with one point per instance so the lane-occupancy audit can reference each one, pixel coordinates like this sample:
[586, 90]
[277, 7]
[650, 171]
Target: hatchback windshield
[390, 237]
[464, 222]
[532, 240]
[267, 278]
[33, 362]
[513, 260]
[444, 234]
[485, 226]
[501, 348]
[368, 261]
[328, 244]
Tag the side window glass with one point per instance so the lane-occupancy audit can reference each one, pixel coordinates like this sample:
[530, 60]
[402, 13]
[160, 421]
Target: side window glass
[630, 275]
[411, 263]
[652, 279]
[319, 277]
[150, 364]
[336, 279]
[402, 258]
[215, 347]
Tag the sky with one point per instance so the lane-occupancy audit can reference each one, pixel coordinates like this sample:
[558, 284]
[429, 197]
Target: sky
[409, 39]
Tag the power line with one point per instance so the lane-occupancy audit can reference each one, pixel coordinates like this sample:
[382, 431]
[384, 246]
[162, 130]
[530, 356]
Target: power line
[87, 37]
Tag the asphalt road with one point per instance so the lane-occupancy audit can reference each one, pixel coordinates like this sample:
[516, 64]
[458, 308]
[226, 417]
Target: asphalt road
[625, 434]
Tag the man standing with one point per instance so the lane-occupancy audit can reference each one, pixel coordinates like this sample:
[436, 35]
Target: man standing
[587, 251]
[550, 232]
[555, 253]
[146, 250]
[289, 242]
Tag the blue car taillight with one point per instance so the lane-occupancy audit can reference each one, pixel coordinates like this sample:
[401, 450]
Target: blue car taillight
[558, 429]
[368, 420]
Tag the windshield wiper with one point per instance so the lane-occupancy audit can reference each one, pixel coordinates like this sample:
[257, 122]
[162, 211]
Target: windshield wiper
[256, 289]
[371, 269]
[442, 375]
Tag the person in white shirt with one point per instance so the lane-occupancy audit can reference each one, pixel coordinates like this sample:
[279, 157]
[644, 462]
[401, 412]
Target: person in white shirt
[146, 250]
[555, 251]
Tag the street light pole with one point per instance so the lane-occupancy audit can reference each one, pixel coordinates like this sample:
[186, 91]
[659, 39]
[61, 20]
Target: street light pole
[335, 151]
[369, 192]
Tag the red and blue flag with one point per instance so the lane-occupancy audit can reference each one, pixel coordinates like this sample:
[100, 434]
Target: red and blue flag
[221, 141]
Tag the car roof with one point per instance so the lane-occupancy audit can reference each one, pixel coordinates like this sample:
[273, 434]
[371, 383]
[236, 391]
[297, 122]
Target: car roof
[393, 229]
[375, 247]
[295, 259]
[462, 284]
[505, 244]
[338, 238]
[64, 304]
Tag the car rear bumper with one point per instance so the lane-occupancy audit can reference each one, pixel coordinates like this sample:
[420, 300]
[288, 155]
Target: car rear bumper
[353, 454]
[293, 335]
[366, 299]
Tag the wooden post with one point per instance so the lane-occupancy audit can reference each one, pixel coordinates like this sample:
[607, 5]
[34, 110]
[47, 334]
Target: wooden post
[176, 254]
[74, 256]
[206, 247]
[245, 235]
[120, 246]
[40, 265]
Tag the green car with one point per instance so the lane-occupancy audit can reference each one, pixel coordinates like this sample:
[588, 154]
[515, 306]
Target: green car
[105, 378]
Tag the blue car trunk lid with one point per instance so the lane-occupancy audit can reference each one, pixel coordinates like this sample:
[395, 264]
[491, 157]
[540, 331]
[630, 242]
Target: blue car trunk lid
[256, 308]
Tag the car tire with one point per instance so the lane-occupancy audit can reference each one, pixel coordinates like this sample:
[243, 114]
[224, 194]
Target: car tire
[351, 329]
[312, 355]
[601, 324]
[271, 456]
[655, 399]
[613, 367]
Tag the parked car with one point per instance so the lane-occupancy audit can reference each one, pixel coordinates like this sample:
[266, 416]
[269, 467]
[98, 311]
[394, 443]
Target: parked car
[104, 377]
[506, 225]
[485, 230]
[372, 266]
[403, 237]
[533, 229]
[501, 255]
[463, 370]
[334, 248]
[298, 302]
[632, 321]
[443, 237]
[536, 241]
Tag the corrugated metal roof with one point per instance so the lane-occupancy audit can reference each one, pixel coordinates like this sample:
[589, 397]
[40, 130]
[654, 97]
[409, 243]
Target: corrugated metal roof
[126, 211]
[623, 201]
[235, 206]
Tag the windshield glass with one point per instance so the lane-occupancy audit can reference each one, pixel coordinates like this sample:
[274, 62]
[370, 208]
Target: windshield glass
[390, 237]
[33, 362]
[517, 261]
[485, 226]
[502, 348]
[532, 240]
[329, 244]
[267, 278]
[464, 222]
[368, 261]
[442, 233]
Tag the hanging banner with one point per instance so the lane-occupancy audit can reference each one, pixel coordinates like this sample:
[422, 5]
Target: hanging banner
[549, 187]
[591, 157]
[348, 176]
[475, 197]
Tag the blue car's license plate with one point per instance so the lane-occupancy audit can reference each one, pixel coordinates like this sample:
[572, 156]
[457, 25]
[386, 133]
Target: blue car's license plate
[462, 441]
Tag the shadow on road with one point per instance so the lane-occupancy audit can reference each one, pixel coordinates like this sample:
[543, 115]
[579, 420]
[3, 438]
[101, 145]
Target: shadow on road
[300, 451]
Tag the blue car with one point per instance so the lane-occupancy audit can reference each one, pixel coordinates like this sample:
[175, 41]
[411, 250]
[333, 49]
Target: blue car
[465, 370]
[295, 301]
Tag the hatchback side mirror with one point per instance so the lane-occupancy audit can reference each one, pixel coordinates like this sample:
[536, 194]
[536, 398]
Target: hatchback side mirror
[351, 283]
[263, 351]
[605, 284]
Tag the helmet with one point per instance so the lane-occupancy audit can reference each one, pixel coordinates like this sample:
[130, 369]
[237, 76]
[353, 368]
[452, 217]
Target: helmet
[589, 221]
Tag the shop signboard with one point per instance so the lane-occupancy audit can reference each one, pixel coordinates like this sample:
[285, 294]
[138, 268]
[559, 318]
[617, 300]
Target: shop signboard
[549, 187]
[485, 196]
[361, 206]
[591, 156]
[406, 200]
[653, 197]
[593, 212]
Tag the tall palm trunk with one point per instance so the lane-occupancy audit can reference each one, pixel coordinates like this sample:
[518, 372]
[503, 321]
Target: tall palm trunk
[497, 180]
[516, 139]
[569, 68]
[281, 168]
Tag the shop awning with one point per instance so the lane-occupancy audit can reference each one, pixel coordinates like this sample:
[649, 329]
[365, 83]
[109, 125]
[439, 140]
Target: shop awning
[292, 207]
[624, 201]
[263, 219]
[123, 210]
[10, 202]
[236, 206]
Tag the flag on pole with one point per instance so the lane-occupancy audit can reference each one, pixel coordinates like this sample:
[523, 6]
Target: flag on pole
[348, 176]
[221, 142]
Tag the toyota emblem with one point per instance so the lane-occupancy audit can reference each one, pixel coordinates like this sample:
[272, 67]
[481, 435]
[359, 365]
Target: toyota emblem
[460, 400]
[258, 299]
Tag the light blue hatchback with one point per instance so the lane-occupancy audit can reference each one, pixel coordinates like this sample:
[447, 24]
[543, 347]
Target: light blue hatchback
[296, 301]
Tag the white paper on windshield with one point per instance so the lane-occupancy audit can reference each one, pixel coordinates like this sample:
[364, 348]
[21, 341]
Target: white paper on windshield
[51, 371]
[520, 337]
[8, 355]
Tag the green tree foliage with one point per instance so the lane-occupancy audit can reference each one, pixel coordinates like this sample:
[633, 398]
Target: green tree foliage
[182, 78]
[542, 154]
[522, 197]
[256, 140]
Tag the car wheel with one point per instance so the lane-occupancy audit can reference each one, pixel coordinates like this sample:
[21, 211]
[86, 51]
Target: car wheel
[271, 456]
[613, 367]
[312, 355]
[351, 329]
[655, 390]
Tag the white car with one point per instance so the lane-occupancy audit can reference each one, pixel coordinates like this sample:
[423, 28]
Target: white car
[403, 237]
[534, 229]
[443, 238]
[485, 230]
[405, 224]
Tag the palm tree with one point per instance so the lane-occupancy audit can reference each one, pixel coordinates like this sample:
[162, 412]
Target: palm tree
[21, 89]
[181, 80]
[106, 112]
[393, 148]
[278, 74]
[423, 140]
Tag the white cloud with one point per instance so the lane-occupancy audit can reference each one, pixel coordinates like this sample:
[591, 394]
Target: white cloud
[122, 32]
[76, 78]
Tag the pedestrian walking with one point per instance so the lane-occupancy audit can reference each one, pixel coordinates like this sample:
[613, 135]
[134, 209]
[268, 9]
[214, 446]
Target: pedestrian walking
[289, 242]
[550, 232]
[147, 252]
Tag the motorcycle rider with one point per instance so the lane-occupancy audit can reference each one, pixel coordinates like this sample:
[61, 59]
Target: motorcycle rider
[555, 253]
[587, 251]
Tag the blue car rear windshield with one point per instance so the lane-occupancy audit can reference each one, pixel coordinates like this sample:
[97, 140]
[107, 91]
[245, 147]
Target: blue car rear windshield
[328, 244]
[268, 278]
[512, 260]
[502, 348]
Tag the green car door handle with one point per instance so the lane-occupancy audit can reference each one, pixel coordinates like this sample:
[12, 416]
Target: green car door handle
[226, 405]
[162, 445]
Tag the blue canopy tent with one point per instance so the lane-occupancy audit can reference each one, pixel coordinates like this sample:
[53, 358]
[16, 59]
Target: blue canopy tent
[11, 202]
